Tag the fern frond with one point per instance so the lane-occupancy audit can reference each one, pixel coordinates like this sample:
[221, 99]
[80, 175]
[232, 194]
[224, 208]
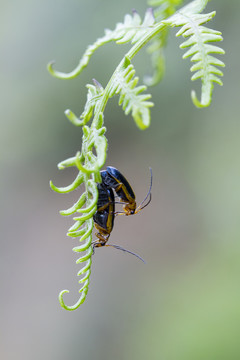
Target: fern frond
[88, 163]
[124, 83]
[87, 203]
[198, 41]
[130, 30]
[131, 97]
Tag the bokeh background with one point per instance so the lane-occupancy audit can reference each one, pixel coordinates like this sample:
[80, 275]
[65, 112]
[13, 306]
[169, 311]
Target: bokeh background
[185, 303]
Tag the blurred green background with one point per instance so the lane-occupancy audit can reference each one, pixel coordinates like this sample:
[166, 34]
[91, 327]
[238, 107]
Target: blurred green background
[185, 303]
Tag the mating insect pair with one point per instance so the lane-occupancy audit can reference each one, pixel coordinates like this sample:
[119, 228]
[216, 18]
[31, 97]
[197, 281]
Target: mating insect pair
[104, 217]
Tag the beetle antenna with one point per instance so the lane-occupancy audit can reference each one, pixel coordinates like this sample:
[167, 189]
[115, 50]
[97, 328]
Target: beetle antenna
[140, 207]
[125, 250]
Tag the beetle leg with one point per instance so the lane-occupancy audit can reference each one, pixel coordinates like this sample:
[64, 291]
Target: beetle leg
[120, 213]
[101, 241]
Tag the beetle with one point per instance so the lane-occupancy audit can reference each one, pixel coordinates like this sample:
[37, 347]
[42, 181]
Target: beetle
[104, 216]
[113, 178]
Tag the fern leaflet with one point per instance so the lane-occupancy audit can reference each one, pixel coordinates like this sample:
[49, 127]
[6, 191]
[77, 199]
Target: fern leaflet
[131, 99]
[131, 30]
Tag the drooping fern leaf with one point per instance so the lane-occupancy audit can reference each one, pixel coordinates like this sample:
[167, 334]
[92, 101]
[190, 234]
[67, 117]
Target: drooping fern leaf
[88, 164]
[124, 83]
[198, 41]
[85, 233]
